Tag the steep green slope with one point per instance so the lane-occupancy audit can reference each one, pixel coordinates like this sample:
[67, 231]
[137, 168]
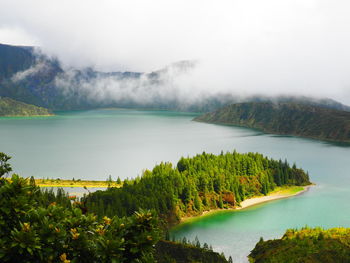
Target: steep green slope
[306, 245]
[10, 107]
[285, 118]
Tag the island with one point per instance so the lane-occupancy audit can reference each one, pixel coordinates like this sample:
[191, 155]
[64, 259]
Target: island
[13, 108]
[285, 119]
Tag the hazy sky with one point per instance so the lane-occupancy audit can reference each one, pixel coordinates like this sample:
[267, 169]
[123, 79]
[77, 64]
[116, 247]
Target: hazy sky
[242, 46]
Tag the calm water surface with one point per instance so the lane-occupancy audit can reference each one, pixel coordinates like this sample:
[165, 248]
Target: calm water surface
[95, 144]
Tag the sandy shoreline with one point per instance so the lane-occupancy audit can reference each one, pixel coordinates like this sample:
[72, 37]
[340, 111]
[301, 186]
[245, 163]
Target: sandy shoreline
[275, 196]
[250, 202]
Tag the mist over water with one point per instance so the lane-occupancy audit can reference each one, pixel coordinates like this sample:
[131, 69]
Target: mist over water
[294, 47]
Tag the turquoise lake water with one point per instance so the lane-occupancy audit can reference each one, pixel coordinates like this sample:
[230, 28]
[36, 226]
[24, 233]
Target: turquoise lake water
[99, 143]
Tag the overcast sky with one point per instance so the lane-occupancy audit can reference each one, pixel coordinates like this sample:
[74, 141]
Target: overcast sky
[298, 47]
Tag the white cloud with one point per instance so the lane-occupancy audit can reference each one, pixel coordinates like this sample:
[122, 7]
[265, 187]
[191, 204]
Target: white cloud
[16, 36]
[165, 86]
[252, 46]
[21, 75]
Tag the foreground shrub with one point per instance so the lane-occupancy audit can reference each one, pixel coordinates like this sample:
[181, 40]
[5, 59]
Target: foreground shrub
[33, 232]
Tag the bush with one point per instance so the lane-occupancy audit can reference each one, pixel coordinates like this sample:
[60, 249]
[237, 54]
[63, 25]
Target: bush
[33, 232]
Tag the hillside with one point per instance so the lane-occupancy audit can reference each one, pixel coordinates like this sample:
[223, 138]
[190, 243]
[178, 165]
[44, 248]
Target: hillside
[286, 119]
[28, 75]
[306, 245]
[14, 59]
[13, 108]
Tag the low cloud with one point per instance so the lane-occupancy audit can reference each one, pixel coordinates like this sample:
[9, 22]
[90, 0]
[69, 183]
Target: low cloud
[272, 47]
[22, 75]
[163, 86]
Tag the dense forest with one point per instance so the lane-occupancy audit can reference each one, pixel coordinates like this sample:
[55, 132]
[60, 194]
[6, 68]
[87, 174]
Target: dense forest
[285, 118]
[305, 245]
[203, 182]
[10, 107]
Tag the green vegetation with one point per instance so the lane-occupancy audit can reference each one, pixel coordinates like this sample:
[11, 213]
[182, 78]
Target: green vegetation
[13, 108]
[173, 252]
[287, 190]
[43, 226]
[196, 184]
[34, 230]
[305, 245]
[285, 118]
[76, 183]
[112, 226]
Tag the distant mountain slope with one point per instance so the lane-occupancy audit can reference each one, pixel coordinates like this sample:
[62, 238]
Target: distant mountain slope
[30, 76]
[324, 103]
[10, 107]
[285, 118]
[14, 59]
[305, 245]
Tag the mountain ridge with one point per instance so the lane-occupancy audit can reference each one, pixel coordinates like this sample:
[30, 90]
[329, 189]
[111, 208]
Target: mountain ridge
[28, 75]
[285, 119]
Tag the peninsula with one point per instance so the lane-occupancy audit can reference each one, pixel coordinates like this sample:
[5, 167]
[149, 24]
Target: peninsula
[201, 183]
[286, 119]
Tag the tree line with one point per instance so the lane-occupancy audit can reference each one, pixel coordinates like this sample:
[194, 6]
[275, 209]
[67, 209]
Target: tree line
[203, 182]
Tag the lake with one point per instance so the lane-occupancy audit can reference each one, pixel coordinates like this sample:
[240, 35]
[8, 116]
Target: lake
[96, 144]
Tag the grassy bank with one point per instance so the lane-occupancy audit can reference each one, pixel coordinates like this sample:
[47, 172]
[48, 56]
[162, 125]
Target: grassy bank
[75, 183]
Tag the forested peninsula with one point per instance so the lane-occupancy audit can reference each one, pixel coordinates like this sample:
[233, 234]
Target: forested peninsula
[197, 184]
[286, 119]
[13, 108]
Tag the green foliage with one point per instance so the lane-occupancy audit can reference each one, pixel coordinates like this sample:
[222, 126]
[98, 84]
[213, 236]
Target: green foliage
[305, 245]
[5, 167]
[203, 182]
[32, 231]
[171, 252]
[286, 118]
[10, 107]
